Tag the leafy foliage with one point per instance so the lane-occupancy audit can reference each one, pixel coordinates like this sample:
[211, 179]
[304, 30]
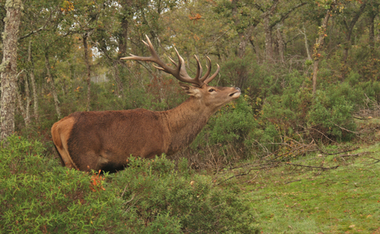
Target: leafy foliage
[38, 195]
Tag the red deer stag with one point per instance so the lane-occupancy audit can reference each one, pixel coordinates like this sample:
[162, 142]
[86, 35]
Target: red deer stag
[104, 140]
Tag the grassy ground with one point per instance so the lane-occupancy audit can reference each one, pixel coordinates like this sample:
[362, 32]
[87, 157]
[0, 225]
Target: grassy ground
[300, 199]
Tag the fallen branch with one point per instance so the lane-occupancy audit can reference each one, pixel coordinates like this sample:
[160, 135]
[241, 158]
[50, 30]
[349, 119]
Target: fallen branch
[234, 176]
[343, 151]
[376, 160]
[292, 181]
[344, 129]
[314, 167]
[353, 155]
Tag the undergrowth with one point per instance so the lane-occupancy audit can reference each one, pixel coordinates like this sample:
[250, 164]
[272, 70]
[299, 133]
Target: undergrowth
[149, 196]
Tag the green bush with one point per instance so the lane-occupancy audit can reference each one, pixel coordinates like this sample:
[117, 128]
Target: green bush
[233, 123]
[38, 195]
[332, 116]
[150, 196]
[155, 192]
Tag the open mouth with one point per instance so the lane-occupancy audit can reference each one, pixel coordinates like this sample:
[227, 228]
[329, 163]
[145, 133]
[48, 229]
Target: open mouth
[236, 94]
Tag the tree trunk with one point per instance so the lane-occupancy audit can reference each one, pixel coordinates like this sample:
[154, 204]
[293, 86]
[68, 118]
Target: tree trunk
[88, 67]
[50, 80]
[25, 111]
[123, 35]
[349, 28]
[281, 45]
[8, 68]
[317, 49]
[306, 43]
[33, 82]
[119, 89]
[268, 39]
[371, 35]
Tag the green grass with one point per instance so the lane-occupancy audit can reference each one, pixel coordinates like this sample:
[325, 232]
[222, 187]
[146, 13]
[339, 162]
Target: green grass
[290, 199]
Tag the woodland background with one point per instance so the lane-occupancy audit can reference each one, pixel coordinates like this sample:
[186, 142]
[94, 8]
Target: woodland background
[309, 75]
[306, 68]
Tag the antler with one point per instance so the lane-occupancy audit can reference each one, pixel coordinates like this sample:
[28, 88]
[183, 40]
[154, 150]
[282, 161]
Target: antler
[179, 71]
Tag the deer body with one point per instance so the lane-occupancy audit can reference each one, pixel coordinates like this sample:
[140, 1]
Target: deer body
[104, 140]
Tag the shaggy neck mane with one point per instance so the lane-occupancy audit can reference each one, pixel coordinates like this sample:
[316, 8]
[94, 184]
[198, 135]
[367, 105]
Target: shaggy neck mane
[185, 122]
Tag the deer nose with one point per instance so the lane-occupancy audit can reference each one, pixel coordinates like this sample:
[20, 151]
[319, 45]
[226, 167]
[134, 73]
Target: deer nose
[238, 89]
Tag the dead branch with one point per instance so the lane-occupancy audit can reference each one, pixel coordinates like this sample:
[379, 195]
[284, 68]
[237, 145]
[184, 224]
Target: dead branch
[376, 160]
[344, 129]
[352, 155]
[314, 167]
[238, 175]
[292, 181]
[343, 151]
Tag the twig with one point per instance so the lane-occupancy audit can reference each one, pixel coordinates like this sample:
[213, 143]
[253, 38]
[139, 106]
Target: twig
[241, 174]
[376, 160]
[323, 168]
[353, 155]
[343, 151]
[292, 181]
[343, 128]
[125, 189]
[133, 196]
[323, 134]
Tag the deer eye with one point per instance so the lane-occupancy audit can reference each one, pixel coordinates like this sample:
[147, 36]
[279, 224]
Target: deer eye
[211, 90]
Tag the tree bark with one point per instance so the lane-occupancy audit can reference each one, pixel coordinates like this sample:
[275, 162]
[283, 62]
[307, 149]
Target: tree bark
[8, 68]
[33, 82]
[50, 80]
[88, 67]
[317, 49]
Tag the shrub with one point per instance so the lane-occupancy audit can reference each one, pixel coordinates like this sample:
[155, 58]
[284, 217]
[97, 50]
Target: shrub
[160, 195]
[332, 117]
[38, 195]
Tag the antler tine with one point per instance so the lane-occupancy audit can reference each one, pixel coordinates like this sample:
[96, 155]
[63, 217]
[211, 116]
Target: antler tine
[174, 63]
[208, 80]
[208, 70]
[199, 71]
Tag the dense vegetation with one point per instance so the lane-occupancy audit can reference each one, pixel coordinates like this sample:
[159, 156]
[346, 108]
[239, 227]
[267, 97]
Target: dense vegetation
[37, 195]
[308, 71]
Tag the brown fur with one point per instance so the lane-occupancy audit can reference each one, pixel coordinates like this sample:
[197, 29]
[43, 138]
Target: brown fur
[104, 140]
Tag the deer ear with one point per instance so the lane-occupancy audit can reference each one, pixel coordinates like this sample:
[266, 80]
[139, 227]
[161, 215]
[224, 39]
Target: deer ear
[191, 90]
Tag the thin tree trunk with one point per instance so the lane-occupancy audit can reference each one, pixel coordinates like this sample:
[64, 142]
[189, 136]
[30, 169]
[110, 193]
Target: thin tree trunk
[119, 89]
[8, 68]
[268, 39]
[281, 45]
[25, 111]
[349, 28]
[88, 78]
[52, 86]
[27, 107]
[306, 43]
[33, 82]
[317, 49]
[371, 33]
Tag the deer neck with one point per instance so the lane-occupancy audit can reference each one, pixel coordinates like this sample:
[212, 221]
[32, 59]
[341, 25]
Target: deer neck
[185, 122]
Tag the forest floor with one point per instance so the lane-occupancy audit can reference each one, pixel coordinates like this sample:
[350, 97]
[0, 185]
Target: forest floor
[317, 193]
